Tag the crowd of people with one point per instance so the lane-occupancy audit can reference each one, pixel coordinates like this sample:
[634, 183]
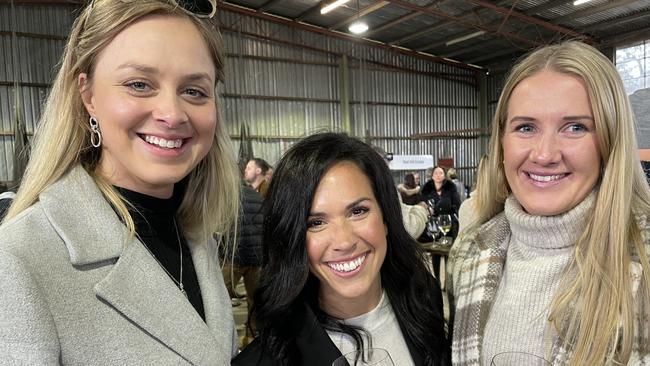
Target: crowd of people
[133, 224]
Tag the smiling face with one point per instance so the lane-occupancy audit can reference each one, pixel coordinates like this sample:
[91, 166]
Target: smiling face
[549, 142]
[152, 92]
[346, 241]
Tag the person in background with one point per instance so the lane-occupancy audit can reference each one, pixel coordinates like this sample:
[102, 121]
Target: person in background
[460, 186]
[269, 174]
[409, 191]
[467, 212]
[246, 260]
[640, 101]
[340, 271]
[557, 264]
[255, 175]
[107, 255]
[5, 201]
[442, 194]
[416, 178]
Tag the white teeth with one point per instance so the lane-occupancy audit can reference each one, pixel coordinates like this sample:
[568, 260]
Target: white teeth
[545, 178]
[167, 144]
[347, 266]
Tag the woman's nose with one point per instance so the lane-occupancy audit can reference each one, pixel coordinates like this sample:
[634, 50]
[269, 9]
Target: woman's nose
[169, 110]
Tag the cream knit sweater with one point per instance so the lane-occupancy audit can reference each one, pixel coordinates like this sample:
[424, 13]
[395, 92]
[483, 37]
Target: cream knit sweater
[539, 250]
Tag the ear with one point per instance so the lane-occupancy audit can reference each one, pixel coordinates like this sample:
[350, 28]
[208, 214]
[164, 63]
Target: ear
[86, 93]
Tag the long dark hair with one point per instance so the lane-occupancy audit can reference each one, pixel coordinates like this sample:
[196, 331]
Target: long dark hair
[286, 284]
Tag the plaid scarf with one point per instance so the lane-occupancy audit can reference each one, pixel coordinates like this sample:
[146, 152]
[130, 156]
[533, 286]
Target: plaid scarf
[474, 271]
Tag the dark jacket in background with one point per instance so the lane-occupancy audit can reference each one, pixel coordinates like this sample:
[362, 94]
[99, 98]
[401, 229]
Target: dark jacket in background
[447, 203]
[249, 247]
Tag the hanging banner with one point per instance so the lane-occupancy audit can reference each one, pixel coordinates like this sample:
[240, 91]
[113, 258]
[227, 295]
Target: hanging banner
[411, 162]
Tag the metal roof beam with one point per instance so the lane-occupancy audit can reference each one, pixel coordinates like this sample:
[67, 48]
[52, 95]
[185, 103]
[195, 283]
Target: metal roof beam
[311, 11]
[511, 12]
[544, 7]
[363, 12]
[491, 55]
[267, 5]
[339, 35]
[592, 10]
[617, 21]
[466, 23]
[400, 20]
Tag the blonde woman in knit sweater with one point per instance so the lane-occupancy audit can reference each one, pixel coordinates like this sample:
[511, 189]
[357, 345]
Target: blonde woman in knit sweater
[565, 201]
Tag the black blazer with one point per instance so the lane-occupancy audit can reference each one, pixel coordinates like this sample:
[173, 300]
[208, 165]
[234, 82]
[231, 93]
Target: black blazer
[313, 343]
[448, 202]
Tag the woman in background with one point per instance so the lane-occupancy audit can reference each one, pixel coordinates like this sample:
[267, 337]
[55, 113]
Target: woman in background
[444, 198]
[557, 265]
[106, 254]
[340, 272]
[409, 191]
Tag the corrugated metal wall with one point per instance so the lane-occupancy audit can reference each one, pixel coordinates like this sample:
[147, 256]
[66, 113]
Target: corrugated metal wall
[281, 83]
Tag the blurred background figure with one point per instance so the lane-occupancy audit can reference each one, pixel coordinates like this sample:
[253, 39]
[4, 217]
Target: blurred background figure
[640, 101]
[460, 186]
[340, 271]
[441, 196]
[467, 213]
[6, 197]
[409, 190]
[246, 261]
[255, 175]
[557, 263]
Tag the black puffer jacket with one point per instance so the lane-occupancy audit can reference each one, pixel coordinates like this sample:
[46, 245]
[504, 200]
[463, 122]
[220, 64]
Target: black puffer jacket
[249, 237]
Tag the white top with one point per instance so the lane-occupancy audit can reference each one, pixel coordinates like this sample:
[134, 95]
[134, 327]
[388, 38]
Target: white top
[538, 253]
[382, 326]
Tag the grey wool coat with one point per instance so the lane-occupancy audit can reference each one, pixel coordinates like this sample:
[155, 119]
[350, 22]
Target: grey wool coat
[74, 292]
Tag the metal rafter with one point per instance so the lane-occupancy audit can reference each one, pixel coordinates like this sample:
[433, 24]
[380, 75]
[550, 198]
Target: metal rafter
[311, 11]
[547, 6]
[267, 5]
[399, 20]
[362, 12]
[592, 10]
[626, 37]
[527, 18]
[439, 25]
[339, 35]
[616, 21]
[466, 23]
[491, 55]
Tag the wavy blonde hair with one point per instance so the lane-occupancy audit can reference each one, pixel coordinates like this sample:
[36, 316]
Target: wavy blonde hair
[62, 140]
[593, 310]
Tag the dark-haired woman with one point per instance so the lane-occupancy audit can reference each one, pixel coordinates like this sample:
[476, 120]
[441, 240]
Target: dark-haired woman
[444, 195]
[340, 271]
[409, 191]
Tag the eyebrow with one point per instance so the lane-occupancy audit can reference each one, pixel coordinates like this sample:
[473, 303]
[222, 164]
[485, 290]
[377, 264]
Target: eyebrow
[153, 70]
[349, 206]
[566, 118]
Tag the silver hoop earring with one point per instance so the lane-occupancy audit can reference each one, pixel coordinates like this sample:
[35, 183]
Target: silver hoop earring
[95, 135]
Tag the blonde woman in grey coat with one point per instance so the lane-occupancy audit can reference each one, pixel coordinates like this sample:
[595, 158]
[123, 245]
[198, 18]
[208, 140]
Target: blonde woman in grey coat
[107, 254]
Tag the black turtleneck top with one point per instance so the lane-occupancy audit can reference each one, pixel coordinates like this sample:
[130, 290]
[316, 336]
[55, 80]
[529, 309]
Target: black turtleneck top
[154, 225]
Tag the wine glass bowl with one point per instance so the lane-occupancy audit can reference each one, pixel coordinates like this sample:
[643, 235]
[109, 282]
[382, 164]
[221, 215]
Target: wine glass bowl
[366, 357]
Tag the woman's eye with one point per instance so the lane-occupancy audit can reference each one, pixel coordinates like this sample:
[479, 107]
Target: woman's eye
[314, 224]
[524, 128]
[138, 86]
[357, 211]
[196, 93]
[577, 127]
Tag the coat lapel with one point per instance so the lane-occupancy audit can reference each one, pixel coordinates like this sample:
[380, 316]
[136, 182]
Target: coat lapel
[136, 286]
[316, 347]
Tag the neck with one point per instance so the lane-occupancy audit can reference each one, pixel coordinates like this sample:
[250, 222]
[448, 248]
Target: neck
[345, 308]
[256, 183]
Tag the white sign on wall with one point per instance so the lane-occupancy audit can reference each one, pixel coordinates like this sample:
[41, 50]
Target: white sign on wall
[411, 162]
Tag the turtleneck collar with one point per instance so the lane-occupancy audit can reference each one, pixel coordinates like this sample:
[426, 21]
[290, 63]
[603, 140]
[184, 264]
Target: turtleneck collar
[548, 232]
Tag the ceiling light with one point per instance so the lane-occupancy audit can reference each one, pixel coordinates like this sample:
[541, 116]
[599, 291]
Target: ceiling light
[358, 27]
[335, 4]
[465, 38]
[580, 2]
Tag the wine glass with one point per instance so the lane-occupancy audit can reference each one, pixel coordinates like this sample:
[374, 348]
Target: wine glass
[366, 357]
[517, 359]
[444, 224]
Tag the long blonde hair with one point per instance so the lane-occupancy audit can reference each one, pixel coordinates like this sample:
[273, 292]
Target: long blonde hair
[593, 310]
[62, 140]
